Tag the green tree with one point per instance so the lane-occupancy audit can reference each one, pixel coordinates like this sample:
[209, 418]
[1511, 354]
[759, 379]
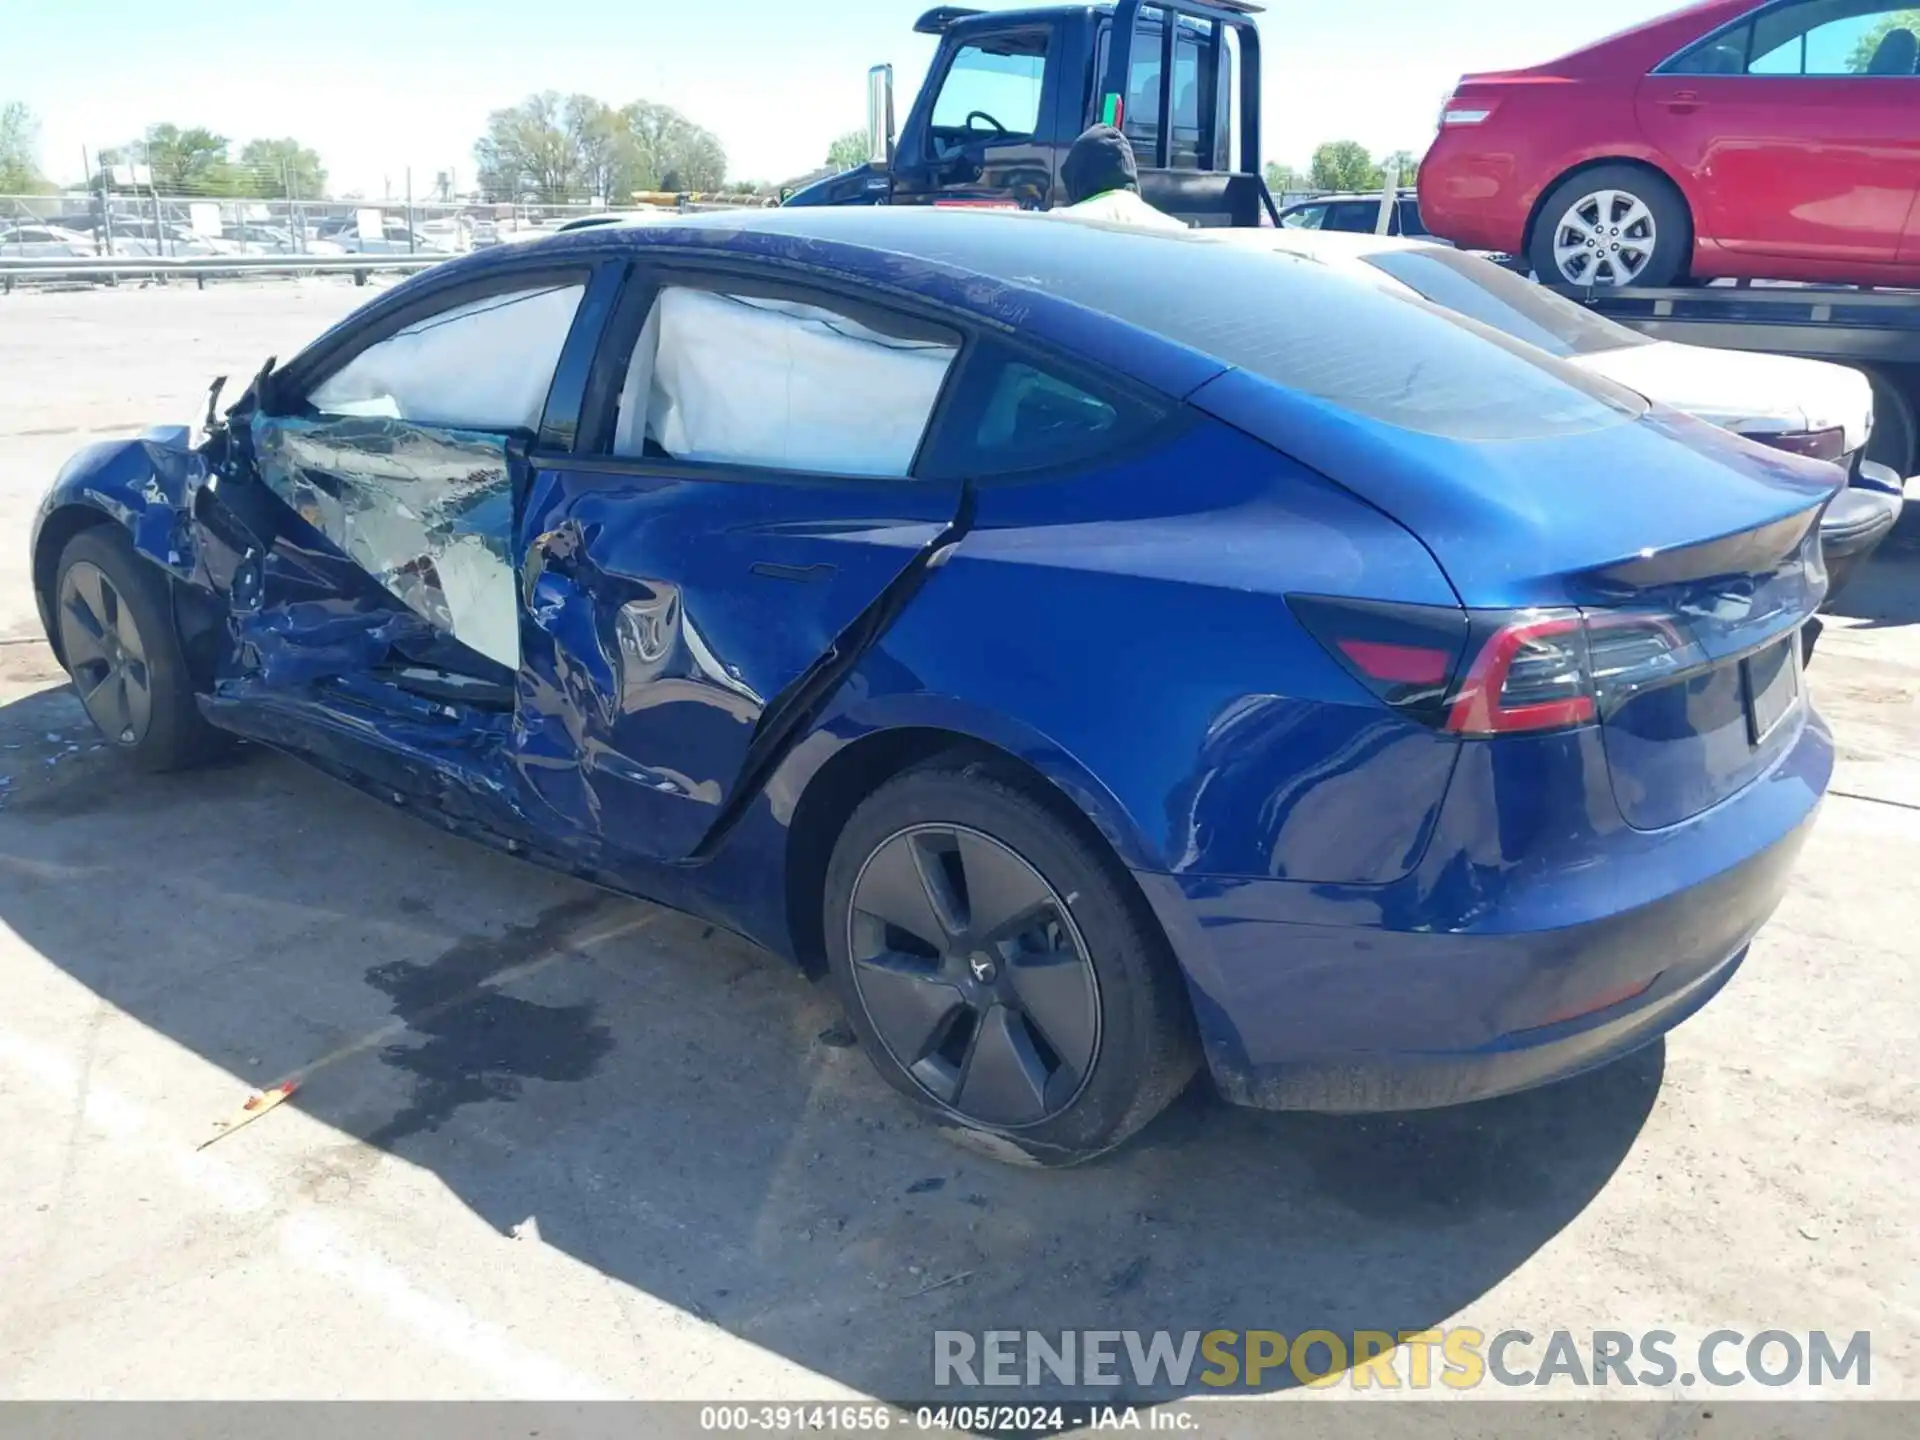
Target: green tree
[671, 152]
[560, 148]
[528, 150]
[1407, 163]
[1283, 178]
[19, 151]
[849, 151]
[1863, 53]
[187, 162]
[279, 170]
[1344, 165]
[605, 150]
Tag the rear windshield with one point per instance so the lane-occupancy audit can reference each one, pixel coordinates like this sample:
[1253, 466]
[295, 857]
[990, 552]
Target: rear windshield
[1510, 303]
[1308, 328]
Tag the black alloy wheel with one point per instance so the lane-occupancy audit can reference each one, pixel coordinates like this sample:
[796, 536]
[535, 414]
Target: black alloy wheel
[105, 654]
[974, 975]
[113, 619]
[999, 965]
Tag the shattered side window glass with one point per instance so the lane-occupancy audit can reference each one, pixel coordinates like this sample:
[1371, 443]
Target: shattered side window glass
[426, 511]
[777, 384]
[485, 365]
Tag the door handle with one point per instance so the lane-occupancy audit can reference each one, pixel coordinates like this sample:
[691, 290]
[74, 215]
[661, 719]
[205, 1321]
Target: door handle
[1681, 102]
[799, 574]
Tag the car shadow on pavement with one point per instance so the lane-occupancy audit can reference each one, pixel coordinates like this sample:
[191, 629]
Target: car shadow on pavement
[686, 1115]
[1887, 591]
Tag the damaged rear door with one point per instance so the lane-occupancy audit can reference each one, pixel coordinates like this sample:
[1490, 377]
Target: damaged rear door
[375, 617]
[744, 512]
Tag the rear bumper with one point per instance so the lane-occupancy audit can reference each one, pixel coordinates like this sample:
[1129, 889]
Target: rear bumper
[1473, 195]
[1544, 975]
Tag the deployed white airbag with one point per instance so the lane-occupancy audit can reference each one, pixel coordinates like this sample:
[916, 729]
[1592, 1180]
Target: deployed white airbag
[776, 383]
[480, 366]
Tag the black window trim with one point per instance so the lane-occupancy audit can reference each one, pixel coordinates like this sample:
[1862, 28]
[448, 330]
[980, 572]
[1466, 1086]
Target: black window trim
[1165, 417]
[1750, 20]
[982, 340]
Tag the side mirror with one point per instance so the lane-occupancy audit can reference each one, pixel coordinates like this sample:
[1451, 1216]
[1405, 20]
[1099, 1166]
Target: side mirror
[880, 115]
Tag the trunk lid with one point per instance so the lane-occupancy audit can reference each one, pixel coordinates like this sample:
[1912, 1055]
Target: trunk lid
[1693, 557]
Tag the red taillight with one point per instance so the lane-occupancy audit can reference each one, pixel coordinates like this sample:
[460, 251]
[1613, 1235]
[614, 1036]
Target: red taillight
[1399, 664]
[1830, 444]
[1460, 111]
[1485, 673]
[1531, 675]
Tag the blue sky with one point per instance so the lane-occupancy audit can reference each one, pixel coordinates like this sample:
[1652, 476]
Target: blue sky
[378, 86]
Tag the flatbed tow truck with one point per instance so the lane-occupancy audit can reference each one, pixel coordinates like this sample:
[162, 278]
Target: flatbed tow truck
[1009, 91]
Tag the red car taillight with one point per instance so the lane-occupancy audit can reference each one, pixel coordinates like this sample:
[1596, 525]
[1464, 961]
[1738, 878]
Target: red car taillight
[1530, 674]
[1830, 444]
[1486, 673]
[1461, 110]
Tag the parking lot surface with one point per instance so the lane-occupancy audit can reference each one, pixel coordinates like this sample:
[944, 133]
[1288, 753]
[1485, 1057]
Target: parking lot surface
[550, 1143]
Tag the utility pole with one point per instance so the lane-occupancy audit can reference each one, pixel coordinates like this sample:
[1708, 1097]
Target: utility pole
[86, 169]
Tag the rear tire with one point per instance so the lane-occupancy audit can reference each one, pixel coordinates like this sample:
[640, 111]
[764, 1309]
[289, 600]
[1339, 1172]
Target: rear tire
[113, 615]
[999, 971]
[1612, 225]
[1894, 442]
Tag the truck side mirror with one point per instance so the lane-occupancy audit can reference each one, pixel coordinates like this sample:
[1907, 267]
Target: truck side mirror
[880, 115]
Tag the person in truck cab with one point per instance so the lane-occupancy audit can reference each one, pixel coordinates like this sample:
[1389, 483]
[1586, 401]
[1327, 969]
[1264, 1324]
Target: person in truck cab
[1103, 183]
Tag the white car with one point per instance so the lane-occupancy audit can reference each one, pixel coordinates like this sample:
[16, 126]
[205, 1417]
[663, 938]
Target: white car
[1808, 406]
[139, 240]
[256, 239]
[30, 240]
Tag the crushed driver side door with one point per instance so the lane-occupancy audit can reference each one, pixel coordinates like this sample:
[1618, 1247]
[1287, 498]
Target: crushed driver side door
[369, 529]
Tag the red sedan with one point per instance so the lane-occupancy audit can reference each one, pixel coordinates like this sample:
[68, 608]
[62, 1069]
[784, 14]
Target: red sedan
[1728, 139]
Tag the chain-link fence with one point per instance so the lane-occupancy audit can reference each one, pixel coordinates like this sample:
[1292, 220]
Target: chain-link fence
[140, 225]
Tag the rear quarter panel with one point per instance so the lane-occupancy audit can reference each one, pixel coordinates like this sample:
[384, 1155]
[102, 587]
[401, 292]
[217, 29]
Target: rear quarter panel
[1482, 185]
[1127, 632]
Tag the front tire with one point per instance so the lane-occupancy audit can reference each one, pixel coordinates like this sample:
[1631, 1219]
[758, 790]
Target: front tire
[998, 969]
[1610, 226]
[113, 616]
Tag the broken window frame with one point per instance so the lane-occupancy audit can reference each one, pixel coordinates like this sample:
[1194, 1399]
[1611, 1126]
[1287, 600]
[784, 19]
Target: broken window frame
[285, 401]
[288, 387]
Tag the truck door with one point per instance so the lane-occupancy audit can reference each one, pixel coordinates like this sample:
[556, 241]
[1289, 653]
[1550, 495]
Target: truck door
[981, 130]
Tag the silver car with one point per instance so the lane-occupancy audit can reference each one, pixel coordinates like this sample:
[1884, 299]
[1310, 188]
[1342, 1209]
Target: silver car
[33, 241]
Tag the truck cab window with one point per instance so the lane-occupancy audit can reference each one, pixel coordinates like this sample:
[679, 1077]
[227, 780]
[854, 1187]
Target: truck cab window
[1141, 120]
[991, 92]
[1202, 92]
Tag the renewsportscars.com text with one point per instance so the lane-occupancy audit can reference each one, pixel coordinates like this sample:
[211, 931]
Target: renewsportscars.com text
[1457, 1358]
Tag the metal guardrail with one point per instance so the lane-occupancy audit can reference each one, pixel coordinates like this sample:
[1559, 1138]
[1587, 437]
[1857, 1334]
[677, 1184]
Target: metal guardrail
[202, 267]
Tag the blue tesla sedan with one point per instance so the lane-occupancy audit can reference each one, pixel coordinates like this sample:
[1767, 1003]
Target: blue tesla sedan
[1104, 653]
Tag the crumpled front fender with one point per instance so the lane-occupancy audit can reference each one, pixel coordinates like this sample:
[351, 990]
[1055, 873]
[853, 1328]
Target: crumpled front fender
[146, 485]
